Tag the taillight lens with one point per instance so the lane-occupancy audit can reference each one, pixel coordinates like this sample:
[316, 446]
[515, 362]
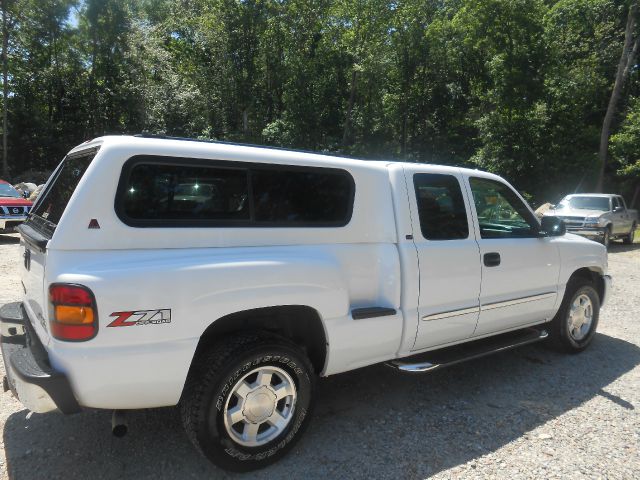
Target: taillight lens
[73, 315]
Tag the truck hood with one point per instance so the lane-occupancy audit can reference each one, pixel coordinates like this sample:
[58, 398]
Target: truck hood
[14, 202]
[574, 212]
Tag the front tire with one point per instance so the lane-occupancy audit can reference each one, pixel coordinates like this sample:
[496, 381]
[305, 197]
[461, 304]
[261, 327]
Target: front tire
[628, 240]
[606, 237]
[574, 326]
[247, 401]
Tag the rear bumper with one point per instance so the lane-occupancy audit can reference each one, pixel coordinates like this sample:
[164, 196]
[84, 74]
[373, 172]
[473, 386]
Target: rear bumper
[30, 377]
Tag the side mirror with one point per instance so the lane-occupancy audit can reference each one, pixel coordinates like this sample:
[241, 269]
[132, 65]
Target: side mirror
[617, 209]
[552, 227]
[25, 194]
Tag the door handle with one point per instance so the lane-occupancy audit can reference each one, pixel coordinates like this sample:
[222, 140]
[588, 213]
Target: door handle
[491, 259]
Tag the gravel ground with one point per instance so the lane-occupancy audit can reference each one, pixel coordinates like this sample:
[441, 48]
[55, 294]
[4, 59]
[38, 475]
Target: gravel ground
[527, 413]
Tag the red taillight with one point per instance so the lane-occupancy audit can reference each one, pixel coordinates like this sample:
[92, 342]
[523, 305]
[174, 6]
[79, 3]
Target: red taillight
[70, 295]
[73, 315]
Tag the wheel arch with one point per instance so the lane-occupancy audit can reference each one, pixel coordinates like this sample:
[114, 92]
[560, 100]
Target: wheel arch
[592, 275]
[300, 324]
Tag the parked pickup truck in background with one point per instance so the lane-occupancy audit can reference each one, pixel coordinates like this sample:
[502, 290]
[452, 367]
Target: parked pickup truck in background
[225, 278]
[601, 217]
[13, 208]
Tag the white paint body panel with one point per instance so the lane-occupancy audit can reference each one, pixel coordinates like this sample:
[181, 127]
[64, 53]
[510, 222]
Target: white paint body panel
[529, 268]
[449, 275]
[203, 274]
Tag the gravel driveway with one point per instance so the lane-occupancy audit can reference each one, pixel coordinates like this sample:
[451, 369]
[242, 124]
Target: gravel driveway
[527, 413]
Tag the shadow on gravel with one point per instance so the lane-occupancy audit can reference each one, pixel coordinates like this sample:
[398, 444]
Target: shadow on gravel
[373, 422]
[9, 239]
[621, 247]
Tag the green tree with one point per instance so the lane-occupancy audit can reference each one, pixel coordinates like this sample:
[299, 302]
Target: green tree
[625, 149]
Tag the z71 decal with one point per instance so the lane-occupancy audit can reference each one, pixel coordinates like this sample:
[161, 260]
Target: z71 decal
[141, 317]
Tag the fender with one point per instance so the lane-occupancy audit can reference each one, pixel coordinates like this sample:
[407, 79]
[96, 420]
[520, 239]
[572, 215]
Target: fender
[577, 252]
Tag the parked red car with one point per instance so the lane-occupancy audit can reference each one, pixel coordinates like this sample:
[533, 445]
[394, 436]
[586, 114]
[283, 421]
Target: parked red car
[13, 208]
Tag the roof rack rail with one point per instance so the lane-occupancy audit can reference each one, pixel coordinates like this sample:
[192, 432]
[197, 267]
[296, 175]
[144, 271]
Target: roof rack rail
[239, 144]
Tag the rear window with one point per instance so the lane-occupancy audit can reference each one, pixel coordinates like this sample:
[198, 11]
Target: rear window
[53, 201]
[182, 192]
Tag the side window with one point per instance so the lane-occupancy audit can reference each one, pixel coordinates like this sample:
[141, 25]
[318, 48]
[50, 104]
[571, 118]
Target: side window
[617, 202]
[183, 192]
[440, 207]
[622, 202]
[305, 196]
[501, 214]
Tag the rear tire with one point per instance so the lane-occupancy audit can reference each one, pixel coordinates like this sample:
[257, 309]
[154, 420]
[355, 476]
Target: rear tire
[574, 326]
[628, 240]
[247, 401]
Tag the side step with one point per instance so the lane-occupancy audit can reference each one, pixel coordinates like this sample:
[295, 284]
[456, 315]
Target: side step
[428, 361]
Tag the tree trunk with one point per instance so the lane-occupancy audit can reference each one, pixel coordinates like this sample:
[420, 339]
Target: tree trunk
[5, 88]
[636, 192]
[245, 122]
[352, 99]
[621, 73]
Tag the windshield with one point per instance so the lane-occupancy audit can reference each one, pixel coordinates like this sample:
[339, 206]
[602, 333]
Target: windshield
[587, 203]
[7, 190]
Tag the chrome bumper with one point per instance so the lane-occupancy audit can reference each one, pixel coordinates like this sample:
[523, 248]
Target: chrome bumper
[595, 232]
[12, 221]
[30, 377]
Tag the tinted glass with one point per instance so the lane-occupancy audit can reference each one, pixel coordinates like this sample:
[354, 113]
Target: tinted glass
[501, 214]
[440, 207]
[7, 190]
[305, 196]
[183, 192]
[590, 203]
[54, 199]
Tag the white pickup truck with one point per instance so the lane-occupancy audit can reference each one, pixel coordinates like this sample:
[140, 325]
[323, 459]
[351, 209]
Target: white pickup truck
[224, 278]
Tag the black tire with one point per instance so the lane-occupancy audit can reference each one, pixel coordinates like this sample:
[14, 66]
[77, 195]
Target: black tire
[606, 237]
[628, 239]
[209, 388]
[559, 334]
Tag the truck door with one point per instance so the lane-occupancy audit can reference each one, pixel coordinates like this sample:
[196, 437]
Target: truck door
[448, 256]
[621, 223]
[519, 268]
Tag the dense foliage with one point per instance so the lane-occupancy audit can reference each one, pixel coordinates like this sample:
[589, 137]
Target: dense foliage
[519, 87]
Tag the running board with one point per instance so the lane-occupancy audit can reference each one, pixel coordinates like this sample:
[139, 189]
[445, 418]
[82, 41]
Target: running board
[428, 361]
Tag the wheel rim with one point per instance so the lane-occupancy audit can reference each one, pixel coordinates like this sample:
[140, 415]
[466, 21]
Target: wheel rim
[260, 406]
[580, 317]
